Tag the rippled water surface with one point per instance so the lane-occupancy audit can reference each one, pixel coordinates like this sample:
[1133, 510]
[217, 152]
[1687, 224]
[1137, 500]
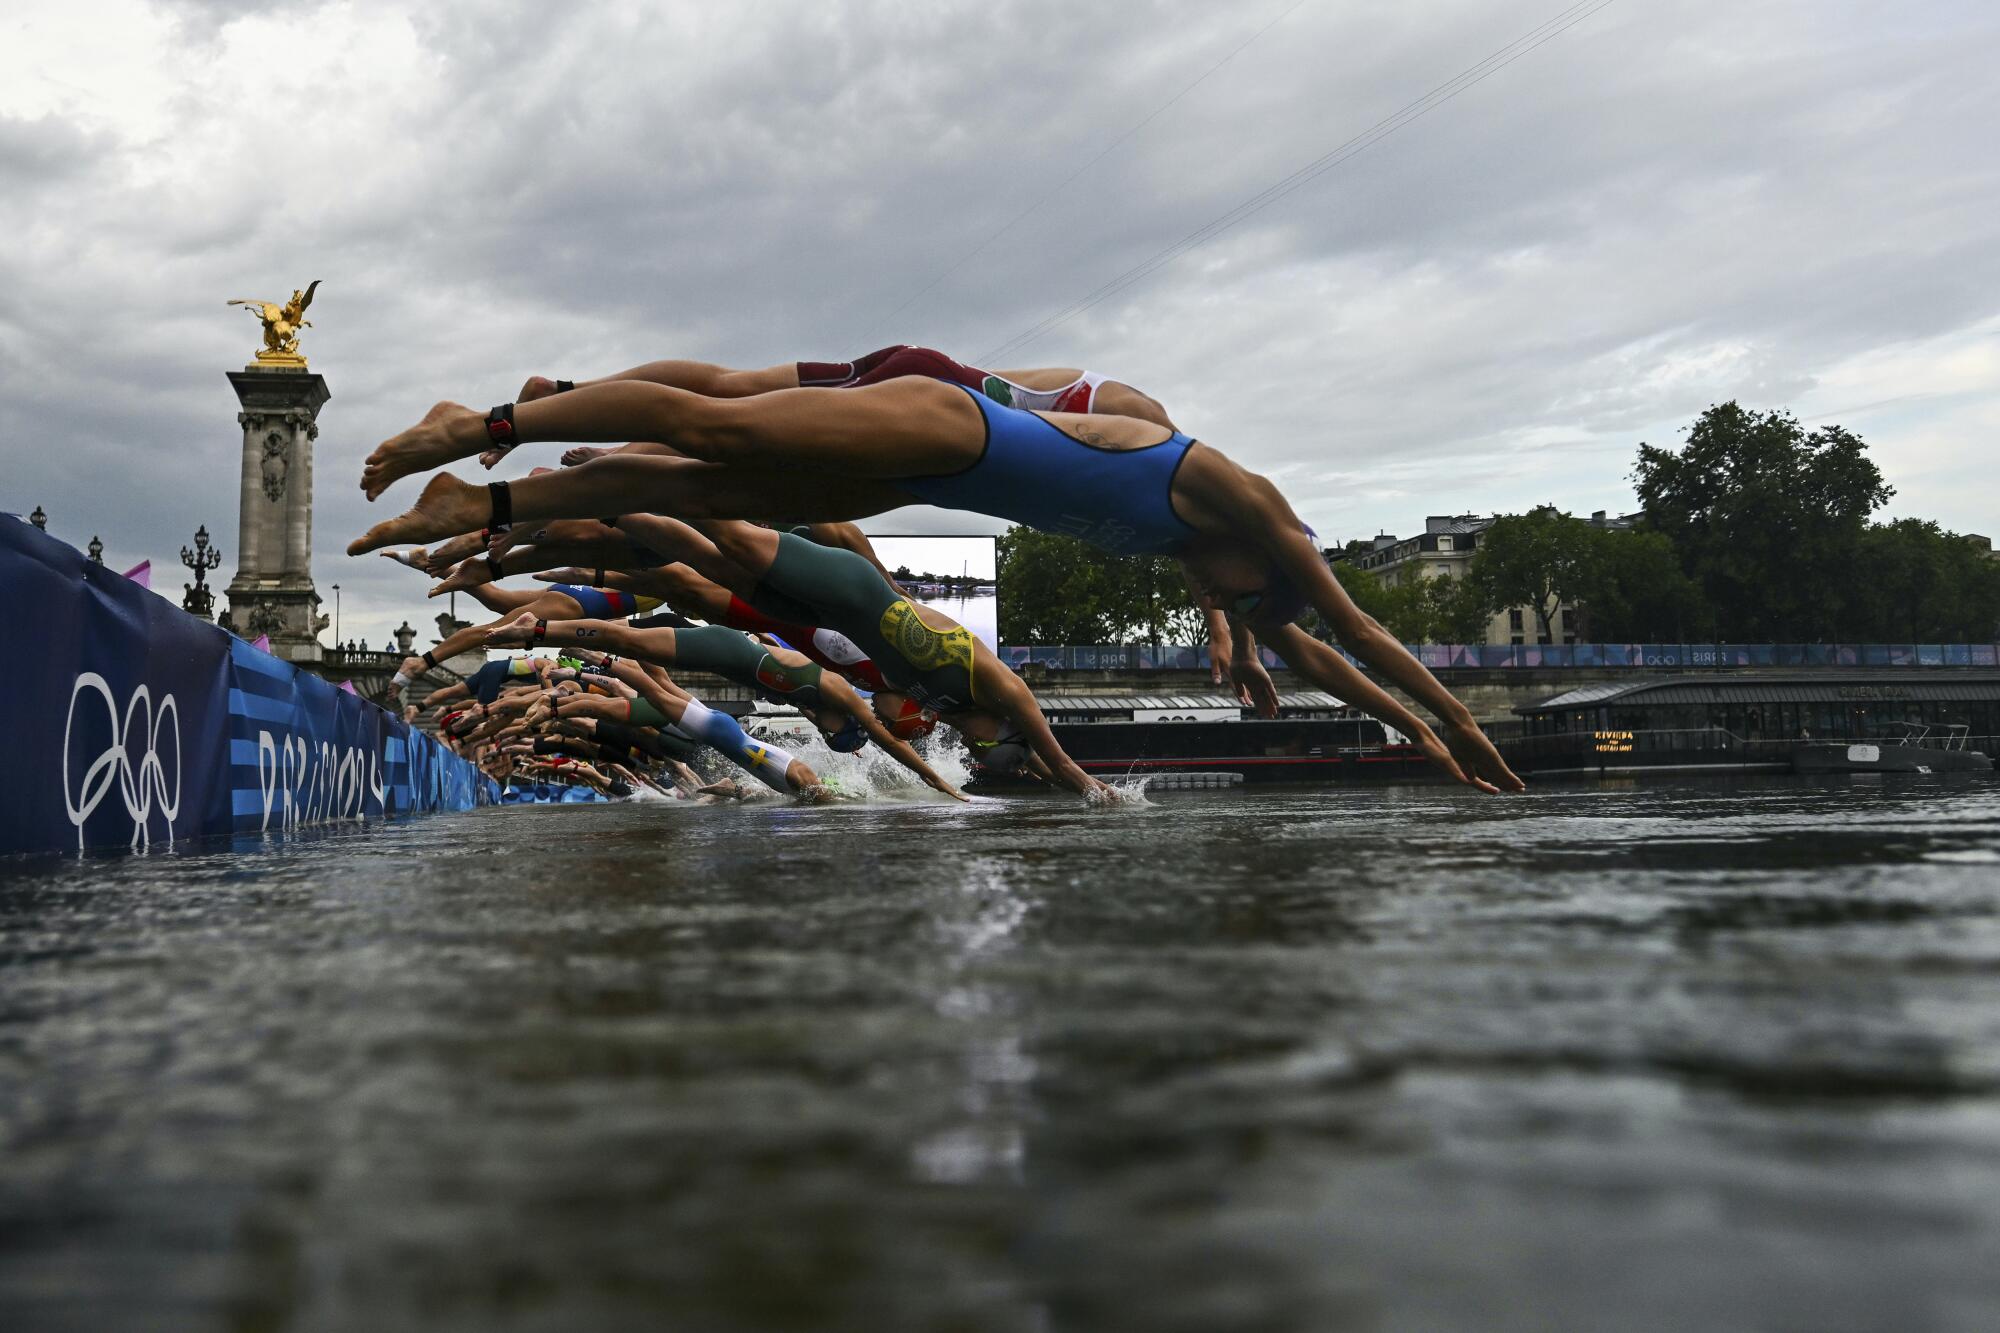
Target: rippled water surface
[1667, 1056]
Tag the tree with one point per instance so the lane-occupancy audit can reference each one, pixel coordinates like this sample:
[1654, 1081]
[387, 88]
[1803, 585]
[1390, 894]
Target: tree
[1403, 608]
[1059, 590]
[1459, 610]
[1053, 590]
[1538, 558]
[1633, 590]
[1924, 585]
[1766, 519]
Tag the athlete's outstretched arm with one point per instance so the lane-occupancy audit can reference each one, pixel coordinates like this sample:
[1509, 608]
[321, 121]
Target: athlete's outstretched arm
[1335, 674]
[845, 695]
[1263, 515]
[1008, 695]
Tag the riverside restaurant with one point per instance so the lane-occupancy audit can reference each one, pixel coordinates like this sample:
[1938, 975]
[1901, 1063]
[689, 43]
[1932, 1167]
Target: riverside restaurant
[1749, 721]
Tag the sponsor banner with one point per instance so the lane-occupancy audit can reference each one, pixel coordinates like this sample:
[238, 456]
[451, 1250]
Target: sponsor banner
[132, 723]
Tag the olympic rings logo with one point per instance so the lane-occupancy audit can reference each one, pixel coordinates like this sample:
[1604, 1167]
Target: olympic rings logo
[138, 783]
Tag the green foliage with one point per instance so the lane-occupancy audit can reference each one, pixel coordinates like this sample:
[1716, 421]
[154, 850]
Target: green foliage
[1459, 611]
[1538, 559]
[1924, 585]
[1767, 520]
[1056, 589]
[1416, 610]
[1633, 591]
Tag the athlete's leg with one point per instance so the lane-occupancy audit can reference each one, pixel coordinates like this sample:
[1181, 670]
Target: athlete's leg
[1122, 400]
[694, 376]
[687, 592]
[1044, 379]
[671, 485]
[906, 427]
[838, 585]
[544, 603]
[503, 602]
[608, 636]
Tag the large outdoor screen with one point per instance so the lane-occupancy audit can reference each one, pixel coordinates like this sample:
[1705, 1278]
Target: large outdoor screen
[957, 575]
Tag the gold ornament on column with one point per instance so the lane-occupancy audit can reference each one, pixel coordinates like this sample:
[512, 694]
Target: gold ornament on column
[281, 327]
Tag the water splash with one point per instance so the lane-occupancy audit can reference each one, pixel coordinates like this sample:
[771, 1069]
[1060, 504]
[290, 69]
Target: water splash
[868, 775]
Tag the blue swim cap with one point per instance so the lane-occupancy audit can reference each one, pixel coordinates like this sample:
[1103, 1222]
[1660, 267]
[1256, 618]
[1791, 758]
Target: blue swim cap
[849, 738]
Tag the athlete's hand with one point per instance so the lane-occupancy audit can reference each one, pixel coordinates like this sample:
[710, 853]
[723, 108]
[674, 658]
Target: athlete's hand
[1480, 761]
[1254, 687]
[1440, 754]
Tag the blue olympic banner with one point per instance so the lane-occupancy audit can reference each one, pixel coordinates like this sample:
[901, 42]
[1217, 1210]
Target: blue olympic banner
[132, 722]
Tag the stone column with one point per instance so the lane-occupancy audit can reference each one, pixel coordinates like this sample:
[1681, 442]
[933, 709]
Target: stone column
[273, 591]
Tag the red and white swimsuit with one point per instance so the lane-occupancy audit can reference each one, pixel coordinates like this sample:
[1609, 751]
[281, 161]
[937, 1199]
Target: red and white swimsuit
[1079, 395]
[828, 648]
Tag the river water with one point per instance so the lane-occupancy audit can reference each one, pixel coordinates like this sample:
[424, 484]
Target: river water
[1664, 1056]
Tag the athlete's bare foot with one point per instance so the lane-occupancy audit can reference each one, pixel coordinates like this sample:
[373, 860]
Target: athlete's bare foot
[538, 386]
[582, 453]
[447, 506]
[414, 558]
[516, 633]
[448, 432]
[467, 574]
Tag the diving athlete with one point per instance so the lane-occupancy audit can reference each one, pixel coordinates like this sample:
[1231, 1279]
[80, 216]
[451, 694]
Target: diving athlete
[844, 719]
[803, 455]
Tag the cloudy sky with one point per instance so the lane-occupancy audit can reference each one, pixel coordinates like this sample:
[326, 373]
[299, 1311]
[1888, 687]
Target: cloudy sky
[1674, 203]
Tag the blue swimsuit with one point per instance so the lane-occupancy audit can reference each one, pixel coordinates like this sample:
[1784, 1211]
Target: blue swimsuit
[1036, 474]
[600, 603]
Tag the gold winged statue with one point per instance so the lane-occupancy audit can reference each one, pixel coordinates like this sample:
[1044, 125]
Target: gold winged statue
[281, 326]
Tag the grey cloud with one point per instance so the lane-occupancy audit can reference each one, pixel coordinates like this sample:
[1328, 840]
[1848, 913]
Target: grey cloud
[1668, 206]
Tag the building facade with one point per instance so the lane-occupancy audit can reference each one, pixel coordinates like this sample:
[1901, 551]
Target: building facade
[1444, 550]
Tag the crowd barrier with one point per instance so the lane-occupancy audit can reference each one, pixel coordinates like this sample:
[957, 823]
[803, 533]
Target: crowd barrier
[1636, 656]
[132, 723]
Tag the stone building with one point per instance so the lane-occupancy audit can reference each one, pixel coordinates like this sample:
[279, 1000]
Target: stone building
[1444, 550]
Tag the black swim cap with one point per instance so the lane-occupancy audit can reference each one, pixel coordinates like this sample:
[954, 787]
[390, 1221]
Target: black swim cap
[849, 738]
[1280, 601]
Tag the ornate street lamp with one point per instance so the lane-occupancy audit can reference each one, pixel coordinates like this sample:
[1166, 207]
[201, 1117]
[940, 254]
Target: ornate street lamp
[39, 519]
[96, 549]
[199, 600]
